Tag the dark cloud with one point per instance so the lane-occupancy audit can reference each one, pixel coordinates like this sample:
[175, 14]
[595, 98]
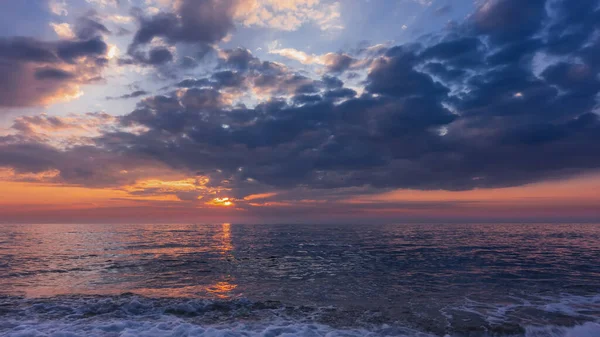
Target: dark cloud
[190, 83]
[204, 21]
[137, 93]
[239, 59]
[228, 79]
[241, 70]
[396, 76]
[516, 52]
[52, 74]
[575, 24]
[338, 63]
[37, 72]
[154, 57]
[193, 22]
[71, 50]
[89, 26]
[159, 55]
[339, 93]
[26, 49]
[463, 52]
[443, 72]
[306, 99]
[29, 157]
[509, 20]
[332, 82]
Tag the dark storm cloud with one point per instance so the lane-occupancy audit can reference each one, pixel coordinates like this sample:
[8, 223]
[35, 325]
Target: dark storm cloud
[466, 110]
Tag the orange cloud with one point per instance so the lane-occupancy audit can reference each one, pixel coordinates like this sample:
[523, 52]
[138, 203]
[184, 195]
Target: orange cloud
[289, 15]
[260, 196]
[223, 202]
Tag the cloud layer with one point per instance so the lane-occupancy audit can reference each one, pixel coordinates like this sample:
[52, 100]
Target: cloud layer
[509, 97]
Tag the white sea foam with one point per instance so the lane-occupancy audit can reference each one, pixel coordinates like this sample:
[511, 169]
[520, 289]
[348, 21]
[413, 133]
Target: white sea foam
[574, 306]
[174, 327]
[129, 316]
[588, 329]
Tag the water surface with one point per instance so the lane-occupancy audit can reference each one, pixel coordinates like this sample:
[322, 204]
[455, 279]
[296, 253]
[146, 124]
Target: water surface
[394, 280]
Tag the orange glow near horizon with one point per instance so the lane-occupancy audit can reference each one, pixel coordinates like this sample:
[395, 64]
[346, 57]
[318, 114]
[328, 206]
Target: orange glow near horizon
[575, 190]
[184, 199]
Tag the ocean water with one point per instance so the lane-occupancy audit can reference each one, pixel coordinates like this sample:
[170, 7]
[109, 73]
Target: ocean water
[297, 280]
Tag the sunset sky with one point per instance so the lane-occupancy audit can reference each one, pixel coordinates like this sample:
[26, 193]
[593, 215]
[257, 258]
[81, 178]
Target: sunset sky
[297, 111]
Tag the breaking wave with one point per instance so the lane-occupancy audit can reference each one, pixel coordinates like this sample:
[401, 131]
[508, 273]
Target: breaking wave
[131, 315]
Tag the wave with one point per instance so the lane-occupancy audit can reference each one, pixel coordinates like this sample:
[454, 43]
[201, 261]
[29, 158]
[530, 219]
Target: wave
[130, 315]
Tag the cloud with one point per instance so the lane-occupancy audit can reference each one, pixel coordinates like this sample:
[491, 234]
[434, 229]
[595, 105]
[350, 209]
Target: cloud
[462, 110]
[43, 72]
[52, 74]
[105, 3]
[196, 24]
[137, 93]
[122, 19]
[290, 15]
[58, 7]
[89, 26]
[335, 63]
[509, 20]
[204, 21]
[61, 132]
[299, 56]
[63, 30]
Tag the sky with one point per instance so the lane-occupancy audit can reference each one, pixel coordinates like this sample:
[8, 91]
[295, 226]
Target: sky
[299, 111]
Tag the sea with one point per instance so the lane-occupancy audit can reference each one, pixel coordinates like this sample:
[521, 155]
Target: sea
[413, 280]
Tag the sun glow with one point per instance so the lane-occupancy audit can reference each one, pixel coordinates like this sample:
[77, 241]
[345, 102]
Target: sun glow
[224, 202]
